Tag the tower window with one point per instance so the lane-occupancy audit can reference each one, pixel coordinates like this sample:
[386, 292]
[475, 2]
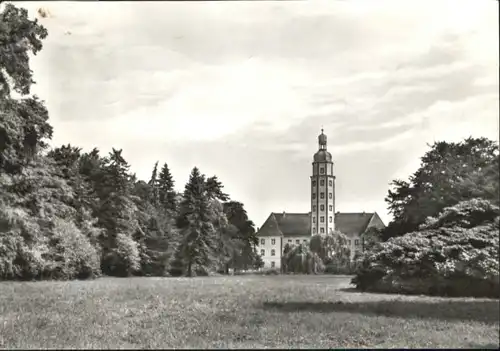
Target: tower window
[330, 208]
[330, 195]
[322, 170]
[314, 196]
[314, 208]
[322, 219]
[322, 182]
[273, 241]
[262, 252]
[322, 195]
[314, 183]
[273, 252]
[322, 230]
[322, 207]
[330, 219]
[262, 241]
[330, 182]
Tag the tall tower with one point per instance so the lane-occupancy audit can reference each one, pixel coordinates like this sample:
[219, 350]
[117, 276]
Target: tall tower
[322, 191]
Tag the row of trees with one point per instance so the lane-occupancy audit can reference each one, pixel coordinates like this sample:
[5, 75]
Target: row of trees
[65, 213]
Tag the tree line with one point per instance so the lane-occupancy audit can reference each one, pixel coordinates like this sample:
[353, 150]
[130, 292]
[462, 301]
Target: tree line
[67, 214]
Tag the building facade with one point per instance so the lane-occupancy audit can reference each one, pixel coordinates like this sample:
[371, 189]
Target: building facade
[284, 228]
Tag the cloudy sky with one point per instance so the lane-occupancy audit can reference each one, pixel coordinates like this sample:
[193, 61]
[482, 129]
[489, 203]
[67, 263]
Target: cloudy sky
[241, 89]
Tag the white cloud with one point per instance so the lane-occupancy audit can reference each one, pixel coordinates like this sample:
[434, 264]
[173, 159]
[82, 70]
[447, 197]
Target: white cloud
[204, 103]
[389, 143]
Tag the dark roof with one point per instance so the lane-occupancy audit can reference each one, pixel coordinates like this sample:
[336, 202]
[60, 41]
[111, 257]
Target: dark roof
[270, 227]
[322, 156]
[299, 224]
[352, 223]
[294, 224]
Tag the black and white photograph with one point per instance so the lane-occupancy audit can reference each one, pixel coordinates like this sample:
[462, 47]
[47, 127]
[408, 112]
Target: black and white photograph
[318, 174]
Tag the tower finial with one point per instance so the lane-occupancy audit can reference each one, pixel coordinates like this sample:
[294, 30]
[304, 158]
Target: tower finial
[322, 140]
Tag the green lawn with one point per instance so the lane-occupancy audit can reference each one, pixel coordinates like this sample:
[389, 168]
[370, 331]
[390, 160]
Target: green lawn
[235, 312]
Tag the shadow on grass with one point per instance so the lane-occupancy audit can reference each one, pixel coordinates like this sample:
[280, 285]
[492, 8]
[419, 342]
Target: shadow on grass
[487, 347]
[480, 311]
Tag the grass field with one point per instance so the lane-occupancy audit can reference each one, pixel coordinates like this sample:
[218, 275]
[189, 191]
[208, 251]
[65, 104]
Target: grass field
[235, 312]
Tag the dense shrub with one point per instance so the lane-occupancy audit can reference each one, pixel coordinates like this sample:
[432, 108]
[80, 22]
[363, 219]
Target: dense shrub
[71, 254]
[123, 260]
[442, 259]
[32, 249]
[466, 214]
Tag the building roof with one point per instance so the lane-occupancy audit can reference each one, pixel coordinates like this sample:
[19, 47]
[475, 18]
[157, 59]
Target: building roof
[352, 223]
[270, 227]
[294, 224]
[322, 156]
[299, 224]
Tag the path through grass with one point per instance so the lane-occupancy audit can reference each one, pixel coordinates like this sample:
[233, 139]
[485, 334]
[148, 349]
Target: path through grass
[235, 312]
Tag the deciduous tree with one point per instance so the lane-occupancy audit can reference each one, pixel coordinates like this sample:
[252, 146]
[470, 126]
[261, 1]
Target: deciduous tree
[449, 173]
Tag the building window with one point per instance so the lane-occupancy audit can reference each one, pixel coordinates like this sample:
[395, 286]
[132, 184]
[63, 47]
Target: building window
[289, 241]
[273, 252]
[314, 208]
[314, 196]
[330, 208]
[322, 219]
[297, 241]
[330, 182]
[322, 230]
[305, 241]
[272, 264]
[262, 241]
[322, 207]
[330, 219]
[322, 182]
[273, 241]
[314, 219]
[314, 183]
[262, 252]
[330, 195]
[314, 230]
[321, 170]
[322, 195]
[356, 242]
[349, 241]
